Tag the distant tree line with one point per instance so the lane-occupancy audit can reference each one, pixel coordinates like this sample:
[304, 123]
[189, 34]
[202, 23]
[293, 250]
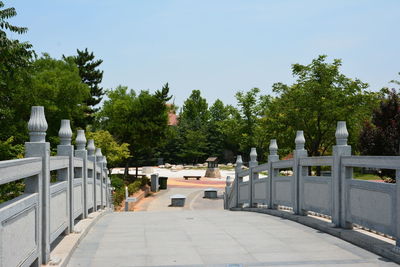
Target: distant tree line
[132, 126]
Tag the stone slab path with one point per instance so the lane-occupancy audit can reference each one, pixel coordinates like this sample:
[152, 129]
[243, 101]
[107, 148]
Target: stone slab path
[213, 238]
[203, 234]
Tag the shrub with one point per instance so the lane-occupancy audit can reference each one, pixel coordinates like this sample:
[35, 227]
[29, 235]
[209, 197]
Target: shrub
[119, 196]
[145, 181]
[117, 182]
[134, 187]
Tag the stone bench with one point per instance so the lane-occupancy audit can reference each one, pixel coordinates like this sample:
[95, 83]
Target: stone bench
[210, 193]
[192, 176]
[178, 200]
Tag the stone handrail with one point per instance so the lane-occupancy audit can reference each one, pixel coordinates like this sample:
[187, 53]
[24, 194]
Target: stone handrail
[31, 222]
[336, 194]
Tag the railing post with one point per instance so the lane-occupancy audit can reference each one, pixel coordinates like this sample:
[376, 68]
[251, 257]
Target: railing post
[66, 149]
[272, 157]
[106, 199]
[92, 157]
[253, 163]
[397, 247]
[298, 153]
[99, 160]
[238, 168]
[339, 176]
[227, 192]
[38, 147]
[81, 152]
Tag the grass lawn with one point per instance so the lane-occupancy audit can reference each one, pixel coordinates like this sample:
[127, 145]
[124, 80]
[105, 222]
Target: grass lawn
[360, 176]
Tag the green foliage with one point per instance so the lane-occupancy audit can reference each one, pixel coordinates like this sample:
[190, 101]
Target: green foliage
[193, 128]
[10, 151]
[319, 98]
[134, 187]
[15, 62]
[381, 135]
[57, 86]
[139, 120]
[11, 190]
[114, 152]
[117, 182]
[6, 14]
[118, 197]
[119, 185]
[92, 77]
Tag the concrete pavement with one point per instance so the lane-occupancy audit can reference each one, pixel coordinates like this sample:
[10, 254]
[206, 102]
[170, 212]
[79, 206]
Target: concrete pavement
[213, 238]
[203, 234]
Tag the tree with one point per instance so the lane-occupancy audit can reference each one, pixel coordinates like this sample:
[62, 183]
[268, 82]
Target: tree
[248, 110]
[16, 58]
[139, 120]
[381, 135]
[15, 61]
[193, 122]
[319, 98]
[194, 113]
[115, 153]
[215, 134]
[57, 86]
[92, 76]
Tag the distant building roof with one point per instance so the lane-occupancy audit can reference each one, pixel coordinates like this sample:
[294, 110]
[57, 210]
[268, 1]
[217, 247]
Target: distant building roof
[172, 119]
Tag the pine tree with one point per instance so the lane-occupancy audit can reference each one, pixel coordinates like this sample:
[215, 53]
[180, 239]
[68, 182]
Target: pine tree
[92, 76]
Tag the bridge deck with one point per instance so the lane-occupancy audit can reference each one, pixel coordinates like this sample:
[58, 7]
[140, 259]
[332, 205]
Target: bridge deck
[212, 237]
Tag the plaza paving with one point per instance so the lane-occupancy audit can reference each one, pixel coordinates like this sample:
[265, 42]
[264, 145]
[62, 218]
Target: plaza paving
[203, 234]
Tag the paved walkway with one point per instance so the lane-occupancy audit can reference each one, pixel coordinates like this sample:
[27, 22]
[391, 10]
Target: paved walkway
[203, 234]
[212, 237]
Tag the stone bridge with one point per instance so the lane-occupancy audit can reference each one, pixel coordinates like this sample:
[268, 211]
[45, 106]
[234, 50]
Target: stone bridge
[65, 216]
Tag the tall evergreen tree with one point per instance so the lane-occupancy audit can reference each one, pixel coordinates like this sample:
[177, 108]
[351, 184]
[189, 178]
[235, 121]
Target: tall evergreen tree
[92, 76]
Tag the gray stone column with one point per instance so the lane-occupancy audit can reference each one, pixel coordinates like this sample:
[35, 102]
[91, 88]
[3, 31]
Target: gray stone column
[253, 163]
[106, 198]
[92, 157]
[272, 157]
[339, 176]
[66, 149]
[81, 152]
[38, 147]
[238, 168]
[99, 160]
[298, 172]
[227, 192]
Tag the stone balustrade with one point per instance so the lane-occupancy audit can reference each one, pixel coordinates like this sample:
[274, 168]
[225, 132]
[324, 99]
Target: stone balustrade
[59, 190]
[336, 194]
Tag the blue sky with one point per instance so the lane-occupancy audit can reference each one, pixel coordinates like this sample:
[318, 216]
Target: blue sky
[219, 46]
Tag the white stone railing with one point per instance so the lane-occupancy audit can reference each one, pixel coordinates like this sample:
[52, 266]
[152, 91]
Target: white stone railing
[345, 200]
[30, 223]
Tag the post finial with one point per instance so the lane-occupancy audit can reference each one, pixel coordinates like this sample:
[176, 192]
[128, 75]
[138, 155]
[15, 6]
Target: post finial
[80, 140]
[65, 132]
[341, 133]
[239, 162]
[37, 125]
[253, 154]
[98, 152]
[273, 147]
[228, 181]
[105, 162]
[91, 147]
[300, 140]
[253, 157]
[239, 159]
